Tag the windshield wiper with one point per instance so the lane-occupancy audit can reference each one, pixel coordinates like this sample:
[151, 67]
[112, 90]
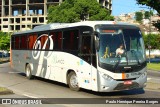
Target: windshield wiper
[125, 48]
[135, 54]
[117, 64]
[119, 59]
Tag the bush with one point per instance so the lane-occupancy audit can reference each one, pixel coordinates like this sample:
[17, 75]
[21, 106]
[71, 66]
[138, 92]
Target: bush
[4, 41]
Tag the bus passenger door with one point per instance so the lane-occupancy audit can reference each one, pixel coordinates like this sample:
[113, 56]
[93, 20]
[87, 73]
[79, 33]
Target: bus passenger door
[94, 65]
[85, 63]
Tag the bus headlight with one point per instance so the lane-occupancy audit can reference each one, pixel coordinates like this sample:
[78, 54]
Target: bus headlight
[143, 74]
[107, 77]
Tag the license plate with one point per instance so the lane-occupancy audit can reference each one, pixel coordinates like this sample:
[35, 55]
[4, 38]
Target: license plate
[127, 82]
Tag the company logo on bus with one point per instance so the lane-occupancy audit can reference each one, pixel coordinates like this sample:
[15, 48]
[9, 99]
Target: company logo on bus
[42, 42]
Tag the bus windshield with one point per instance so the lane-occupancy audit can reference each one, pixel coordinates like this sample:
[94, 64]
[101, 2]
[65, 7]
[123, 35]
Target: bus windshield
[121, 46]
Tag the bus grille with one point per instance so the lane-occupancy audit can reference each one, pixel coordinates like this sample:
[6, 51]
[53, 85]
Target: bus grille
[121, 86]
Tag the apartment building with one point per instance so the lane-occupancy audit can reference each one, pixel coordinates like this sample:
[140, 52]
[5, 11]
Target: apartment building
[21, 15]
[106, 4]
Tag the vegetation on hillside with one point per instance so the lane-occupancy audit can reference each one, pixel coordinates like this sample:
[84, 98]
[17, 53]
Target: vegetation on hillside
[154, 4]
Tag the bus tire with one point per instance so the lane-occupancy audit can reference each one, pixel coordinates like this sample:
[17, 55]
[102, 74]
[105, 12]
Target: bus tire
[29, 72]
[73, 81]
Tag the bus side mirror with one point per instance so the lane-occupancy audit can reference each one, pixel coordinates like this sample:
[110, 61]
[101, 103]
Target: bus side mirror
[97, 44]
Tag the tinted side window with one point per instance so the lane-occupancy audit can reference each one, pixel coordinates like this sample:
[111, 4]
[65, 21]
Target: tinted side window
[13, 42]
[44, 41]
[17, 41]
[23, 44]
[57, 40]
[86, 48]
[32, 39]
[54, 36]
[70, 40]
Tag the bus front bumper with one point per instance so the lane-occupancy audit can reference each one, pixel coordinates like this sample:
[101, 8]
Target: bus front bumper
[109, 84]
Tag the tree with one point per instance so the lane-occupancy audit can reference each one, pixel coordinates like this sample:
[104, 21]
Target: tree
[4, 41]
[139, 16]
[71, 11]
[154, 4]
[147, 15]
[157, 24]
[153, 40]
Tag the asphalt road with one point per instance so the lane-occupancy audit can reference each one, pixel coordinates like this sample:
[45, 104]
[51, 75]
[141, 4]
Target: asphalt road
[42, 88]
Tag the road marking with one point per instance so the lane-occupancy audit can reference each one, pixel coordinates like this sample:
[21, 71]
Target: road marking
[152, 79]
[14, 72]
[66, 105]
[29, 96]
[155, 79]
[148, 79]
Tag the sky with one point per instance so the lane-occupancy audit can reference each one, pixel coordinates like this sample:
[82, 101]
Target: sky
[125, 6]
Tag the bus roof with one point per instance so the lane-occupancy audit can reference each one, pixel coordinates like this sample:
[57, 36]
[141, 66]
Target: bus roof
[54, 26]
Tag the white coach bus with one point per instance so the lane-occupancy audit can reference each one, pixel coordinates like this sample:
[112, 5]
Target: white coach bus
[101, 56]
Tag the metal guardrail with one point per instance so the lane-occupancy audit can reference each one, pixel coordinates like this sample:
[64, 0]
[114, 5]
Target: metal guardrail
[154, 60]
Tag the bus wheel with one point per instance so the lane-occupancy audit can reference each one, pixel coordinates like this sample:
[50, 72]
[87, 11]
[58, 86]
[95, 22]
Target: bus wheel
[28, 72]
[73, 81]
